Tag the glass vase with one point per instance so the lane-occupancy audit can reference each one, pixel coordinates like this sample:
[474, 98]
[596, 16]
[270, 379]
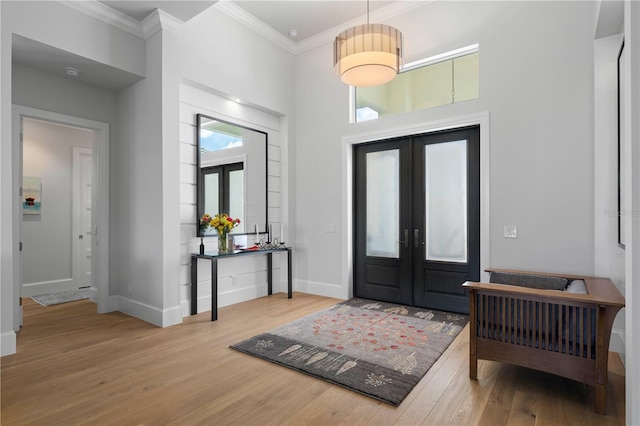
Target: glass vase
[230, 246]
[223, 247]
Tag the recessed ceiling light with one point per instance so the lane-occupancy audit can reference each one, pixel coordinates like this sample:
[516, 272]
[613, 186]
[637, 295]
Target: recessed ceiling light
[73, 72]
[293, 33]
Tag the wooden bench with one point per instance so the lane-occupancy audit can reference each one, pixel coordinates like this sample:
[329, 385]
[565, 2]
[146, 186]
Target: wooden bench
[558, 332]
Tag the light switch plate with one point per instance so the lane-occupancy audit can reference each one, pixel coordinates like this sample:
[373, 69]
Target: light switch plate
[510, 231]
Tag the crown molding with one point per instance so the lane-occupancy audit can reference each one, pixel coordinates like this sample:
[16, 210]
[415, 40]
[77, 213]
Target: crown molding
[240, 15]
[379, 15]
[159, 20]
[109, 16]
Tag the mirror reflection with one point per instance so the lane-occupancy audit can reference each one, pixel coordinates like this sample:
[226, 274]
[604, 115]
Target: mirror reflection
[232, 173]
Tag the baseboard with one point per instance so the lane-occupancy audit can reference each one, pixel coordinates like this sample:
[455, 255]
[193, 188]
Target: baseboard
[244, 294]
[335, 291]
[148, 313]
[172, 316]
[617, 343]
[93, 294]
[186, 308]
[111, 305]
[227, 298]
[8, 343]
[231, 297]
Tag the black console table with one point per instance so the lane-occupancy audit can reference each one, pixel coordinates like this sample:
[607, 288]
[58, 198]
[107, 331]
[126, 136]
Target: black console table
[214, 256]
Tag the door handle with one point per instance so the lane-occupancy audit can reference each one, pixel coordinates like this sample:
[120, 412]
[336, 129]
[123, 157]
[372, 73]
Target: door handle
[416, 238]
[406, 238]
[80, 237]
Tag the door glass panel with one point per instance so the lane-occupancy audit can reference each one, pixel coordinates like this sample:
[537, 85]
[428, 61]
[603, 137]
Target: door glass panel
[383, 203]
[236, 197]
[446, 201]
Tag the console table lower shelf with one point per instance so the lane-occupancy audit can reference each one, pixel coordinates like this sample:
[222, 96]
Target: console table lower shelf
[213, 258]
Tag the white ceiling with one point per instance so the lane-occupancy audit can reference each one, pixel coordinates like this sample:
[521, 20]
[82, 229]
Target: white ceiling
[138, 10]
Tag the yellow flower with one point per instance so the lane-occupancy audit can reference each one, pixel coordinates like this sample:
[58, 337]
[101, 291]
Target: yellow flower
[222, 223]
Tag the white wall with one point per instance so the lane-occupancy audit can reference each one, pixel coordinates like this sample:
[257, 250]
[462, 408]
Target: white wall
[608, 257]
[48, 243]
[7, 240]
[170, 122]
[234, 61]
[537, 87]
[632, 254]
[145, 202]
[62, 95]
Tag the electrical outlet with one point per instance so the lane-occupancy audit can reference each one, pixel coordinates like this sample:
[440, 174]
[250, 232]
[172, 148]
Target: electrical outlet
[510, 231]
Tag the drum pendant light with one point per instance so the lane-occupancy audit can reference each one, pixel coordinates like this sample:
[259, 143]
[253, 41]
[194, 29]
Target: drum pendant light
[367, 55]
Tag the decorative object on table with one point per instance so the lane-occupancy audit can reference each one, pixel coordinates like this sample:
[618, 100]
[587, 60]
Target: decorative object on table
[205, 223]
[270, 245]
[223, 224]
[32, 195]
[272, 242]
[379, 349]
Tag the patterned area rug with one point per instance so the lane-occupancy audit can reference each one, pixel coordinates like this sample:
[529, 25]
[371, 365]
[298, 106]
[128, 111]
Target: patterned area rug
[379, 349]
[62, 297]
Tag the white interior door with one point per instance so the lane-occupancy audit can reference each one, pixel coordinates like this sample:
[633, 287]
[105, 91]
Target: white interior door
[82, 172]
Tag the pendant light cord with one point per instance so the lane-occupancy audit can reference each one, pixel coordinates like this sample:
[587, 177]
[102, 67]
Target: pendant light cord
[367, 12]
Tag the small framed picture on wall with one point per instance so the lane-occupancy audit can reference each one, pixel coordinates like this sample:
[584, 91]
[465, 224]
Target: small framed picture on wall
[31, 195]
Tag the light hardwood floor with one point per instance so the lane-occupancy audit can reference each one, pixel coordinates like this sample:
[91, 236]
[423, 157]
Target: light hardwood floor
[76, 367]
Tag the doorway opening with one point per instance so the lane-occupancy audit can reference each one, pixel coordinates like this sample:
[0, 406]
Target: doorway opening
[56, 207]
[87, 220]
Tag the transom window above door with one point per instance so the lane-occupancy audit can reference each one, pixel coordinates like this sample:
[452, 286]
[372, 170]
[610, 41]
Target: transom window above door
[439, 80]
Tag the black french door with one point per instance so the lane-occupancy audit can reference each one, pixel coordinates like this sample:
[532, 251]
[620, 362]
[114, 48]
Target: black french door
[417, 219]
